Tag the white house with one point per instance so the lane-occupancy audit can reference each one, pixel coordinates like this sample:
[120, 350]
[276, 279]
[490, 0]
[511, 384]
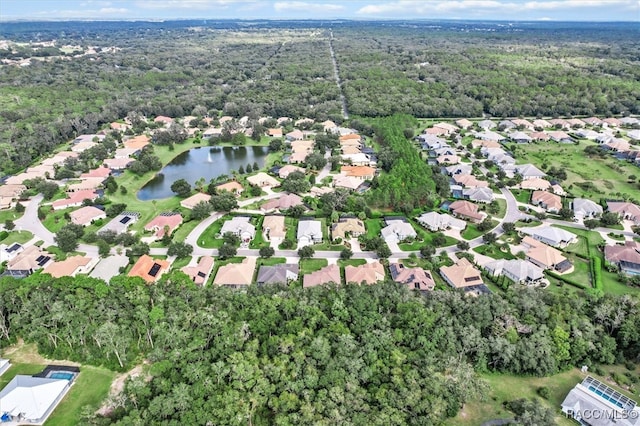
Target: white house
[397, 229]
[28, 399]
[309, 232]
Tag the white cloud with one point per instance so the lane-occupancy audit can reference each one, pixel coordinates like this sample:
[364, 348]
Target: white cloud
[189, 4]
[438, 7]
[301, 6]
[113, 10]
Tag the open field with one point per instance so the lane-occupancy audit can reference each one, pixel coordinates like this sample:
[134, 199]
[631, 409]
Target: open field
[608, 175]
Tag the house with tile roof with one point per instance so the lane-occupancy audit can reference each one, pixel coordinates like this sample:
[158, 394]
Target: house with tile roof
[309, 232]
[369, 273]
[397, 230]
[435, 221]
[414, 278]
[75, 199]
[9, 193]
[28, 261]
[164, 223]
[86, 215]
[287, 169]
[199, 273]
[262, 180]
[284, 202]
[233, 187]
[236, 275]
[137, 142]
[535, 184]
[625, 256]
[544, 256]
[240, 226]
[585, 209]
[192, 201]
[100, 172]
[469, 181]
[550, 202]
[149, 269]
[555, 237]
[347, 226]
[326, 275]
[463, 123]
[626, 210]
[273, 226]
[479, 195]
[71, 266]
[360, 172]
[466, 210]
[463, 275]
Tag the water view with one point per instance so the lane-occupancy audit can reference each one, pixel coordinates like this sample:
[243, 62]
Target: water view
[206, 162]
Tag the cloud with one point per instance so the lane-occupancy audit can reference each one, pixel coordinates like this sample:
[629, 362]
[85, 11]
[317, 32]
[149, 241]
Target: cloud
[113, 10]
[301, 6]
[439, 7]
[189, 4]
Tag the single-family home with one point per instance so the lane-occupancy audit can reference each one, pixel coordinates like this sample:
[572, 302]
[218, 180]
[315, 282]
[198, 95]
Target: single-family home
[616, 145]
[541, 124]
[262, 180]
[286, 170]
[233, 187]
[282, 273]
[295, 135]
[163, 119]
[236, 275]
[120, 223]
[463, 274]
[31, 399]
[540, 136]
[273, 227]
[436, 131]
[82, 146]
[479, 195]
[517, 270]
[309, 232]
[550, 202]
[463, 123]
[520, 137]
[200, 272]
[488, 135]
[550, 235]
[347, 226]
[148, 268]
[326, 275]
[557, 189]
[118, 163]
[369, 273]
[560, 136]
[544, 256]
[28, 261]
[628, 121]
[585, 209]
[9, 193]
[164, 223]
[486, 124]
[8, 252]
[71, 266]
[469, 181]
[284, 202]
[626, 210]
[634, 135]
[560, 123]
[450, 128]
[459, 169]
[529, 171]
[275, 132]
[328, 125]
[240, 226]
[447, 159]
[593, 403]
[192, 201]
[430, 142]
[359, 172]
[360, 159]
[137, 142]
[535, 184]
[74, 199]
[466, 210]
[521, 123]
[611, 122]
[479, 143]
[625, 256]
[435, 221]
[413, 278]
[397, 230]
[347, 182]
[87, 215]
[586, 134]
[97, 173]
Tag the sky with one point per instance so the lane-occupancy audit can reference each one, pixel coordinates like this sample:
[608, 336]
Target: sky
[523, 10]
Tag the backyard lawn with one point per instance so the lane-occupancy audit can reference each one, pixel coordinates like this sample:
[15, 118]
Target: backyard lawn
[522, 195]
[311, 265]
[373, 227]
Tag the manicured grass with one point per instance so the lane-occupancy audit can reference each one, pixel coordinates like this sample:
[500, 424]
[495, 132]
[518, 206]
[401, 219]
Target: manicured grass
[60, 255]
[270, 261]
[373, 227]
[523, 224]
[522, 195]
[351, 262]
[15, 369]
[581, 272]
[611, 285]
[291, 227]
[209, 239]
[607, 175]
[472, 231]
[90, 389]
[185, 229]
[180, 263]
[492, 251]
[580, 247]
[54, 219]
[258, 241]
[9, 215]
[19, 237]
[311, 265]
[502, 207]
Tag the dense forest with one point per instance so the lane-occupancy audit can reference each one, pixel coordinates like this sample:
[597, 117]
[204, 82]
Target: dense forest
[425, 69]
[331, 355]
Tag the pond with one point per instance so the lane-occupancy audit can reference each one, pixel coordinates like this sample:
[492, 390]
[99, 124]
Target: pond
[202, 162]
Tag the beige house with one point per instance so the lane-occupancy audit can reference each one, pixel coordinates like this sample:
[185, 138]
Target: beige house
[191, 202]
[544, 256]
[71, 266]
[461, 274]
[350, 225]
[369, 273]
[233, 187]
[200, 272]
[9, 193]
[263, 180]
[328, 274]
[87, 215]
[236, 275]
[273, 226]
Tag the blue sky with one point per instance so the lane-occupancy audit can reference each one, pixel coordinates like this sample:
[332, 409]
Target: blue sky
[556, 10]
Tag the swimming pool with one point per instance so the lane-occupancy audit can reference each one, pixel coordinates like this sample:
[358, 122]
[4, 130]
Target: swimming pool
[61, 375]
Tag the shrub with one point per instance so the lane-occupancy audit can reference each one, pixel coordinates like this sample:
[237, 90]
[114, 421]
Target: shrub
[544, 392]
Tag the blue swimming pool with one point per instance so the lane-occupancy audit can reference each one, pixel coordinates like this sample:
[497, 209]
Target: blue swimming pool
[61, 375]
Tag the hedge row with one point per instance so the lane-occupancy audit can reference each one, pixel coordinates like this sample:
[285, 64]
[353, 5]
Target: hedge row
[596, 270]
[568, 280]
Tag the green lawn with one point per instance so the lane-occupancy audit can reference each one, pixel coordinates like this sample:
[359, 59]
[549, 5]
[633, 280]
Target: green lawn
[60, 255]
[492, 251]
[15, 369]
[351, 262]
[180, 263]
[258, 241]
[522, 195]
[270, 261]
[581, 272]
[604, 177]
[373, 227]
[19, 237]
[472, 231]
[291, 227]
[311, 265]
[502, 207]
[90, 389]
[54, 219]
[208, 239]
[9, 215]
